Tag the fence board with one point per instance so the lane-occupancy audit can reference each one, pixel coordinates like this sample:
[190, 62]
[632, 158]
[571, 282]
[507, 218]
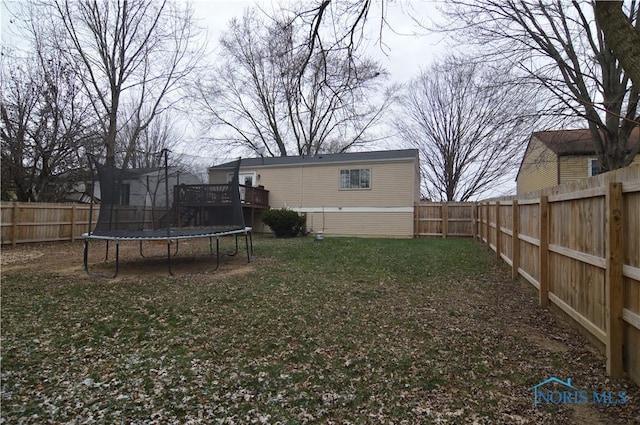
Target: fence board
[543, 256]
[614, 280]
[506, 231]
[24, 222]
[444, 219]
[577, 263]
[592, 281]
[529, 240]
[515, 239]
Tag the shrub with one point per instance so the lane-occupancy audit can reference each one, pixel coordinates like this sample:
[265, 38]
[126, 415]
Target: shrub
[284, 223]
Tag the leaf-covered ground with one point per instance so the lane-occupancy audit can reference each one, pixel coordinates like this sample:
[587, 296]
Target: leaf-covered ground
[345, 331]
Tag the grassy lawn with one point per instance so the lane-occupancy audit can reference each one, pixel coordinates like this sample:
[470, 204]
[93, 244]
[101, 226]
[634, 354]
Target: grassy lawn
[343, 331]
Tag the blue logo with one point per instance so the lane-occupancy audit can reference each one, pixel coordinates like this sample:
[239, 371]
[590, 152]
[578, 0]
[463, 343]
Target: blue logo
[556, 391]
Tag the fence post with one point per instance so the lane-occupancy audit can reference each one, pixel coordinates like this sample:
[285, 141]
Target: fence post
[481, 222]
[613, 279]
[445, 213]
[515, 240]
[478, 221]
[474, 213]
[543, 256]
[498, 233]
[415, 219]
[14, 225]
[485, 223]
[73, 223]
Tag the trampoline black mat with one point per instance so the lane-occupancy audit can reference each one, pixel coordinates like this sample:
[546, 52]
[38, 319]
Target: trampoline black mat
[163, 234]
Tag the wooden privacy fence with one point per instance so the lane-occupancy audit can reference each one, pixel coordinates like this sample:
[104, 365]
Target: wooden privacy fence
[41, 222]
[444, 219]
[579, 246]
[23, 222]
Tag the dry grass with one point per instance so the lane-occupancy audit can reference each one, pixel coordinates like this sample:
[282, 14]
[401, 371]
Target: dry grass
[343, 331]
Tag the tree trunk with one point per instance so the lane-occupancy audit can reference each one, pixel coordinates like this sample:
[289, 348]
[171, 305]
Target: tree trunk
[621, 36]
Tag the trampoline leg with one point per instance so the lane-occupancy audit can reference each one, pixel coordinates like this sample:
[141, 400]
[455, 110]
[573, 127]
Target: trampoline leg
[217, 254]
[169, 257]
[106, 253]
[246, 243]
[86, 260]
[117, 259]
[236, 251]
[233, 254]
[141, 254]
[85, 256]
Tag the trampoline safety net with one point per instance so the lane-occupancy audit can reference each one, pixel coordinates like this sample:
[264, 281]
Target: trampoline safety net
[141, 203]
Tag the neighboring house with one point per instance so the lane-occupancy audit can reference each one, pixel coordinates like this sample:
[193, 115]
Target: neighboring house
[556, 157]
[146, 186]
[346, 194]
[140, 187]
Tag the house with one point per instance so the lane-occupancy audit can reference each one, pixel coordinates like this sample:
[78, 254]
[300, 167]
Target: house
[562, 156]
[146, 186]
[139, 187]
[345, 194]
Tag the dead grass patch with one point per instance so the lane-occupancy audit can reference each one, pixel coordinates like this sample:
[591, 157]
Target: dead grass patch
[343, 331]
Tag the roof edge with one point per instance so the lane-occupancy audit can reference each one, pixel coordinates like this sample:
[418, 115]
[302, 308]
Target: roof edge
[316, 160]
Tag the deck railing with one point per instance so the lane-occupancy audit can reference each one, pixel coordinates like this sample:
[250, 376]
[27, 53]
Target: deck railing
[254, 196]
[216, 194]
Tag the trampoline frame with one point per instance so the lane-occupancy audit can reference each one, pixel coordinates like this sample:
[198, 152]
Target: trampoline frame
[169, 234]
[160, 235]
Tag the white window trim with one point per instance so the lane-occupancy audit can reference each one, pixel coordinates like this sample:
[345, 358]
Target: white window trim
[354, 188]
[253, 174]
[590, 162]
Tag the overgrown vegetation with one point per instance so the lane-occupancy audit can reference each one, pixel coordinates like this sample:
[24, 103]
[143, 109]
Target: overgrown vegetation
[347, 331]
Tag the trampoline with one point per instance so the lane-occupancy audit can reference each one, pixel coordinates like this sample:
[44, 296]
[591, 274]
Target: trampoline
[208, 211]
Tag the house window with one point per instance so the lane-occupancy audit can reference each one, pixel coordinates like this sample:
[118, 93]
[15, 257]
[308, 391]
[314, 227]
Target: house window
[247, 179]
[594, 167]
[125, 191]
[355, 179]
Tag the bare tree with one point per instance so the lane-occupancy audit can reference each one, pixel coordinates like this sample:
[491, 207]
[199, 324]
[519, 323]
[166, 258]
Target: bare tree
[136, 52]
[162, 133]
[589, 65]
[469, 127]
[281, 95]
[346, 18]
[44, 125]
[561, 47]
[621, 36]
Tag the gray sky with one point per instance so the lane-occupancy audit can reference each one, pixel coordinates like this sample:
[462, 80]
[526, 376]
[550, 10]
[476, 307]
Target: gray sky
[406, 48]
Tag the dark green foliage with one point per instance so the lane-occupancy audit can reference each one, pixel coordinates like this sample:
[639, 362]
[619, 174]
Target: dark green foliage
[284, 223]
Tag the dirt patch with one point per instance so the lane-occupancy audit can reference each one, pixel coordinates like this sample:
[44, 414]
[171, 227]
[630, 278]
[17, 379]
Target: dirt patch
[550, 343]
[17, 257]
[192, 257]
[585, 415]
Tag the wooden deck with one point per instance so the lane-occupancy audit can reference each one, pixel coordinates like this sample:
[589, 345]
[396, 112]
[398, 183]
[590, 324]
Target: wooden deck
[210, 195]
[197, 201]
[255, 197]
